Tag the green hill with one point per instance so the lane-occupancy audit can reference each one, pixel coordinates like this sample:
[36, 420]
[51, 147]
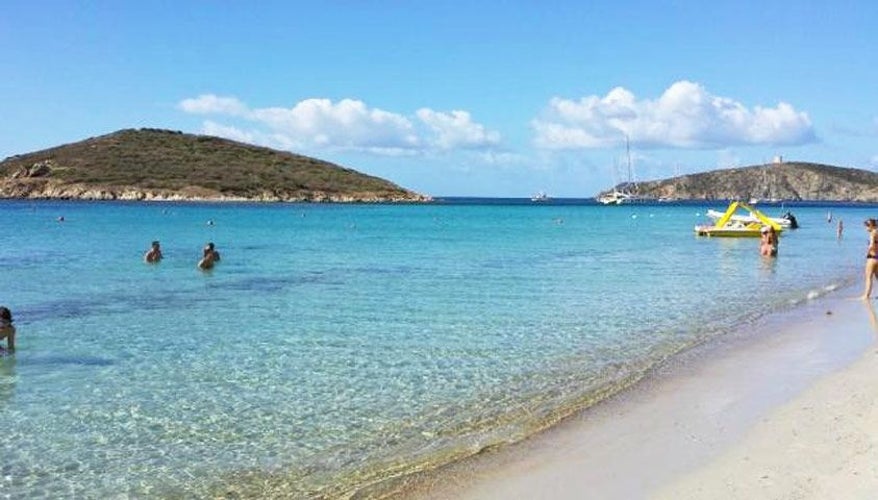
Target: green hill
[774, 181]
[152, 164]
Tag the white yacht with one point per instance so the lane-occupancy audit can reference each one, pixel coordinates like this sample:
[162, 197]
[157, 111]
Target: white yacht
[624, 197]
[541, 196]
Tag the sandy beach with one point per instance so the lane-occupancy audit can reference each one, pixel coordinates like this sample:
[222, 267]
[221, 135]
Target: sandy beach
[823, 444]
[786, 409]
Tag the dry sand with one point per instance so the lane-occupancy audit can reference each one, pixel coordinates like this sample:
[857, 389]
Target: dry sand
[823, 444]
[789, 410]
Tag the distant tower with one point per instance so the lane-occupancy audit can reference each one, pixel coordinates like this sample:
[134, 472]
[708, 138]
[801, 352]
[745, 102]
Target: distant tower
[778, 160]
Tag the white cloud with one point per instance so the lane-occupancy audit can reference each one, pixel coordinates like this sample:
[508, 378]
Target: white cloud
[684, 116]
[457, 130]
[212, 104]
[348, 124]
[502, 158]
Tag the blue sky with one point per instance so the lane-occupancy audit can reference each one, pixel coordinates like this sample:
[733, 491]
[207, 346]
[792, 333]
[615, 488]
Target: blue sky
[498, 98]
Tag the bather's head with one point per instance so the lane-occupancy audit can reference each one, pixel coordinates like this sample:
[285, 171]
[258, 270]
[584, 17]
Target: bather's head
[5, 314]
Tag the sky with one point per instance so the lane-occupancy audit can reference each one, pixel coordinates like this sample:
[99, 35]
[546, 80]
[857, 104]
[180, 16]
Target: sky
[458, 98]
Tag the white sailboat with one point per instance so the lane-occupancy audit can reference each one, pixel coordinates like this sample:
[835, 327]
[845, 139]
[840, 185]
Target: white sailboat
[626, 196]
[615, 197]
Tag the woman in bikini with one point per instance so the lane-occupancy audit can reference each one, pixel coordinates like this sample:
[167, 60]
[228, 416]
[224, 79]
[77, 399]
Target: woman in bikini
[871, 256]
[768, 246]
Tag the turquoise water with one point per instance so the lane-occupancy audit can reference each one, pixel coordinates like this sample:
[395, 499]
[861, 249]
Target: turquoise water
[337, 345]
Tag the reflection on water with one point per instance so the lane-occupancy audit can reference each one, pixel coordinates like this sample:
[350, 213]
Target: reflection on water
[7, 376]
[61, 359]
[768, 264]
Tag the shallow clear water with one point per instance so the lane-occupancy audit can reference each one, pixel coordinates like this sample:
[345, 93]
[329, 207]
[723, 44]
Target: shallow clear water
[335, 345]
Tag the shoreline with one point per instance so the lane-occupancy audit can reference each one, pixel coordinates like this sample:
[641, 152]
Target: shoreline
[679, 426]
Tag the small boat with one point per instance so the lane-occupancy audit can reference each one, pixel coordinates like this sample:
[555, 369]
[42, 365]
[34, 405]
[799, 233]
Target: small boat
[727, 227]
[787, 220]
[614, 197]
[541, 196]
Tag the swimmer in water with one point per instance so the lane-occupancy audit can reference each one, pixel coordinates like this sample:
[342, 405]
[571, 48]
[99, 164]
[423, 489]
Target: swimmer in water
[209, 257]
[154, 254]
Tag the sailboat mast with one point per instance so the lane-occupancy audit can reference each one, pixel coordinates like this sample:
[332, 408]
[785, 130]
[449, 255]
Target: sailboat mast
[631, 184]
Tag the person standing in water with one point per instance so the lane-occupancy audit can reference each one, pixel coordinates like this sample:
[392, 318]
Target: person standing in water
[7, 330]
[871, 256]
[154, 254]
[768, 242]
[209, 257]
[210, 248]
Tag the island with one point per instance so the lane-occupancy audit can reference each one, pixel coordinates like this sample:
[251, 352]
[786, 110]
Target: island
[777, 181]
[163, 165]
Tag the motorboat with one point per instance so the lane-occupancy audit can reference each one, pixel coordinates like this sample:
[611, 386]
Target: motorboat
[541, 196]
[748, 226]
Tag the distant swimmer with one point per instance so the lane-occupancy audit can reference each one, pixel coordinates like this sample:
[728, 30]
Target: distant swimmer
[7, 329]
[840, 229]
[154, 254]
[60, 218]
[210, 247]
[210, 222]
[209, 257]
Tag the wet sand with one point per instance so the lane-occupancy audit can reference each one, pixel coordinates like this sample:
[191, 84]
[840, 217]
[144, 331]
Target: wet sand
[785, 408]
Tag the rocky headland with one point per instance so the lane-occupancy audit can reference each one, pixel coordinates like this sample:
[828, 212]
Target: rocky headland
[789, 181]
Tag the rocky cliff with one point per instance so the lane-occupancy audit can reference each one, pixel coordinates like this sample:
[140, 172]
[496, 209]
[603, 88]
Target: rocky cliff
[152, 164]
[776, 181]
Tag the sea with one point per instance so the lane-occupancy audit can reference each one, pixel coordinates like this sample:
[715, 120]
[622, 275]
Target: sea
[337, 349]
